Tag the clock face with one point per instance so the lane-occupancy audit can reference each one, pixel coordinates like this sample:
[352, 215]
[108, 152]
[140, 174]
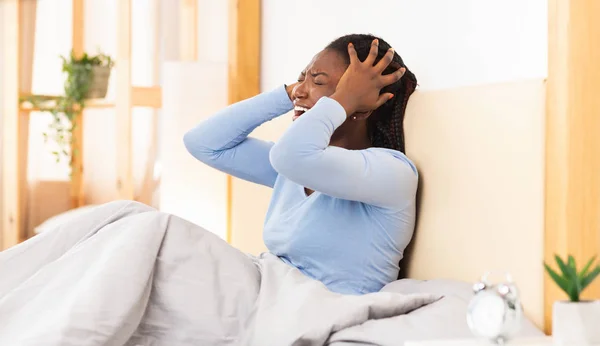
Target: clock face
[486, 314]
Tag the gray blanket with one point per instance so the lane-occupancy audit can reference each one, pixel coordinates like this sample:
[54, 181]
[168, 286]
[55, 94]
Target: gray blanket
[126, 274]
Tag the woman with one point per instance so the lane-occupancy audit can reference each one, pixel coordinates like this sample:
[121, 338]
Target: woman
[343, 203]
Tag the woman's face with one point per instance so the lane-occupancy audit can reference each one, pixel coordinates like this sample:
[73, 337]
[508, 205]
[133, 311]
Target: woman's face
[320, 78]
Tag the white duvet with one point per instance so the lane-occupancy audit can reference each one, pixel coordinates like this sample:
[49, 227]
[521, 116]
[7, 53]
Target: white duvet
[126, 274]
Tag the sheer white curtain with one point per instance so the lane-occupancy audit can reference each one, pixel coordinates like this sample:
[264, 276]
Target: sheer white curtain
[99, 131]
[53, 38]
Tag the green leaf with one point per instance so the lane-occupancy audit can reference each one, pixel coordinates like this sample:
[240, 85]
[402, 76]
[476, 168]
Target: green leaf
[590, 277]
[585, 269]
[571, 276]
[572, 263]
[567, 271]
[576, 279]
[562, 282]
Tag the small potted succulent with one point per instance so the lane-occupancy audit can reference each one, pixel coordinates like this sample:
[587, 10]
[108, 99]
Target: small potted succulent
[575, 321]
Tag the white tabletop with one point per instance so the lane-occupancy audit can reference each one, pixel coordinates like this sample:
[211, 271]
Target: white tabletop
[543, 341]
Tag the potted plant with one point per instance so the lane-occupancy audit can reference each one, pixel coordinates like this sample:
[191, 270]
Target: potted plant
[575, 321]
[87, 78]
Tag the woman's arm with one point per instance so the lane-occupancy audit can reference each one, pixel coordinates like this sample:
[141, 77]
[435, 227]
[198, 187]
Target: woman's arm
[378, 177]
[222, 141]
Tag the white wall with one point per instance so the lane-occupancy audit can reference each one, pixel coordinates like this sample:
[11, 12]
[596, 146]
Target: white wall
[446, 43]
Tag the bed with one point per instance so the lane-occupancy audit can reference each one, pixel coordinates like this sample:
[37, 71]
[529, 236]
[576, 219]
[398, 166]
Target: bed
[477, 212]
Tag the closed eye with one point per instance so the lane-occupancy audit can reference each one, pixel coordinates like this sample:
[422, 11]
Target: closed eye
[318, 74]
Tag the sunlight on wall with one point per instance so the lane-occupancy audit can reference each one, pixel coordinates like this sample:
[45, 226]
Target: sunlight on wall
[192, 91]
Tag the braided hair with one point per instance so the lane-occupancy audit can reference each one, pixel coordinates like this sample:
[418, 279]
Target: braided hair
[386, 124]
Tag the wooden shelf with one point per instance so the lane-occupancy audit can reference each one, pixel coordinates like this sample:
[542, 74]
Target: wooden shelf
[50, 101]
[140, 97]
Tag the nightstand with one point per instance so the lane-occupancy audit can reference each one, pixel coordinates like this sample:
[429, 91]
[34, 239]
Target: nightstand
[543, 341]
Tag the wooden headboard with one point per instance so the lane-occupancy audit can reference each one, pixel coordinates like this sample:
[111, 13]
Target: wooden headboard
[480, 153]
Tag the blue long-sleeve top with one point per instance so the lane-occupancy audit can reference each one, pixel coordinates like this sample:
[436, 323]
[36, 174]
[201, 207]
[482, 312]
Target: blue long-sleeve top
[351, 232]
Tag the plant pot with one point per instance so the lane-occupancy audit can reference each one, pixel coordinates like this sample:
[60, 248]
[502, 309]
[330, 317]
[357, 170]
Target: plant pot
[99, 82]
[576, 323]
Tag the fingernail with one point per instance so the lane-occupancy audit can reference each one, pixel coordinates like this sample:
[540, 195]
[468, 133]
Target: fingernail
[392, 50]
[376, 41]
[391, 96]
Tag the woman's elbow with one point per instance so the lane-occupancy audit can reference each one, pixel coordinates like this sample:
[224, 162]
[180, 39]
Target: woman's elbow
[195, 147]
[188, 141]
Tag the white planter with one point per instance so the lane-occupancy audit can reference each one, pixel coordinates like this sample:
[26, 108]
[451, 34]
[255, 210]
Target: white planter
[576, 323]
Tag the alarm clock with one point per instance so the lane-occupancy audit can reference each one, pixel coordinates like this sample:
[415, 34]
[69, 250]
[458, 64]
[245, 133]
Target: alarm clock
[495, 312]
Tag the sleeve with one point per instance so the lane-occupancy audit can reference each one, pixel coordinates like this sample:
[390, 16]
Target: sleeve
[382, 178]
[222, 140]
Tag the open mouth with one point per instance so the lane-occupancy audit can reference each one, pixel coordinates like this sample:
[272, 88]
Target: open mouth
[298, 111]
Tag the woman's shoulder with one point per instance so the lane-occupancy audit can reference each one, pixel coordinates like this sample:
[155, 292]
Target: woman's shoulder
[396, 156]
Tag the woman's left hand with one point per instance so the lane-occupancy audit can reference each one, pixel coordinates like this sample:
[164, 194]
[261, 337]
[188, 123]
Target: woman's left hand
[359, 88]
[290, 89]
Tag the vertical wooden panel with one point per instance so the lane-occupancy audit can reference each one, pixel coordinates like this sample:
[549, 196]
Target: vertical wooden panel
[572, 139]
[77, 194]
[125, 188]
[244, 49]
[11, 212]
[188, 30]
[244, 66]
[78, 27]
[27, 27]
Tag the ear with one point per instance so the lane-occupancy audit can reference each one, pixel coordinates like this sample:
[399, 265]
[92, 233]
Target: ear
[360, 115]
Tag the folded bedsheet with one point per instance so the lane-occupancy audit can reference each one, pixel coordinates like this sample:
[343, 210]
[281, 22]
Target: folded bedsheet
[126, 274]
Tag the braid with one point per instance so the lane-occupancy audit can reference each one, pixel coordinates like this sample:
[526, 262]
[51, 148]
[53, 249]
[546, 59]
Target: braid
[386, 124]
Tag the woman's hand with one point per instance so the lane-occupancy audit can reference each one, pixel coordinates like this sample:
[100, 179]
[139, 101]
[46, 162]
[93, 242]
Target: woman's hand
[358, 89]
